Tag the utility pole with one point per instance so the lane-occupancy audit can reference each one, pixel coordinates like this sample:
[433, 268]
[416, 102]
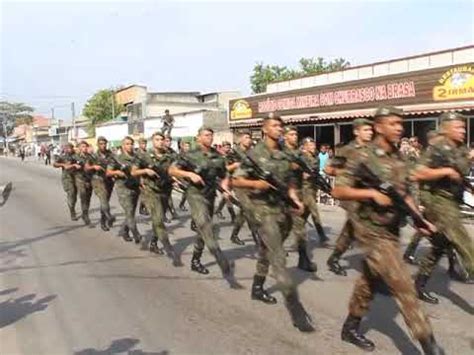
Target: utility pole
[73, 113]
[113, 105]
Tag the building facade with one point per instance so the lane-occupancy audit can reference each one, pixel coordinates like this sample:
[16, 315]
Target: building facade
[324, 106]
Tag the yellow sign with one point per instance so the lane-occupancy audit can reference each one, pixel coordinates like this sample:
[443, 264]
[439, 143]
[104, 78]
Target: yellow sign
[456, 83]
[241, 109]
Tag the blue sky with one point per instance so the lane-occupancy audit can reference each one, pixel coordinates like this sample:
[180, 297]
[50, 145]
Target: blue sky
[55, 53]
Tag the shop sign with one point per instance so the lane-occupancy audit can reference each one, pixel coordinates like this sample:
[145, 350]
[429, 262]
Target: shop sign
[456, 83]
[241, 109]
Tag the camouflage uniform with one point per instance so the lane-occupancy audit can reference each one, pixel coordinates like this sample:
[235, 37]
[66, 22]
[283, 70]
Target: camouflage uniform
[170, 205]
[127, 192]
[68, 179]
[273, 219]
[102, 185]
[84, 187]
[298, 229]
[140, 154]
[155, 193]
[442, 208]
[201, 199]
[378, 234]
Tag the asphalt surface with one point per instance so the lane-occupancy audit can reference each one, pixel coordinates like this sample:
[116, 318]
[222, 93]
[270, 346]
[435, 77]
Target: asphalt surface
[69, 289]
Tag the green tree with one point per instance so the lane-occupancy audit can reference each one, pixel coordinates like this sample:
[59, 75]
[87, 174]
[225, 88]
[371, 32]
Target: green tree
[13, 114]
[264, 74]
[102, 107]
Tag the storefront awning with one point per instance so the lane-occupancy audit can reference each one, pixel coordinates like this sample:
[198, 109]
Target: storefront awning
[409, 110]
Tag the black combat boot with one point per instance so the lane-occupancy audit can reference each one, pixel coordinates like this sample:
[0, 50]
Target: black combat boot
[456, 271]
[182, 207]
[143, 210]
[409, 255]
[72, 212]
[136, 236]
[323, 239]
[304, 263]
[110, 219]
[171, 253]
[227, 269]
[124, 233]
[300, 318]
[333, 264]
[350, 333]
[231, 211]
[86, 219]
[103, 223]
[259, 293]
[193, 226]
[420, 284]
[196, 263]
[220, 215]
[154, 248]
[430, 347]
[234, 238]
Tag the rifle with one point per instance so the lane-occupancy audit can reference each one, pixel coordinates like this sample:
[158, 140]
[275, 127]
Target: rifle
[371, 180]
[187, 164]
[126, 168]
[279, 186]
[316, 178]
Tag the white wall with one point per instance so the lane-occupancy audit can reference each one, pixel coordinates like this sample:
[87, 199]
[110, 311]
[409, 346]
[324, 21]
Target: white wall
[185, 125]
[112, 132]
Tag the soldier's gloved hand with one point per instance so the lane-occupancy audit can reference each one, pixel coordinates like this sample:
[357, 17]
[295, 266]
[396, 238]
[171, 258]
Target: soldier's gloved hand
[262, 185]
[196, 179]
[453, 175]
[381, 199]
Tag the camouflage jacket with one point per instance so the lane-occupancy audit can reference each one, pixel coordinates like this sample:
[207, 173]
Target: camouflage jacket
[210, 165]
[390, 168]
[297, 172]
[313, 162]
[159, 162]
[445, 153]
[124, 162]
[102, 159]
[66, 159]
[275, 162]
[81, 174]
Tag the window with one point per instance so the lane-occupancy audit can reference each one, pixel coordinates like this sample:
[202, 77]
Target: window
[345, 133]
[325, 135]
[407, 128]
[305, 131]
[421, 128]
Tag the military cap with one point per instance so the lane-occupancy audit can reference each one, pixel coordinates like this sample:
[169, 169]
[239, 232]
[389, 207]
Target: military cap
[205, 128]
[158, 134]
[83, 142]
[383, 111]
[102, 139]
[290, 129]
[142, 140]
[362, 122]
[70, 145]
[307, 140]
[226, 143]
[452, 116]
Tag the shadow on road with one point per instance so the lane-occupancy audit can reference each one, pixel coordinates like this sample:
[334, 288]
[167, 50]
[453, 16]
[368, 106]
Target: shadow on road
[120, 346]
[12, 310]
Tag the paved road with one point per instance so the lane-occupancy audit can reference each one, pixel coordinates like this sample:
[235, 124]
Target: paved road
[66, 289]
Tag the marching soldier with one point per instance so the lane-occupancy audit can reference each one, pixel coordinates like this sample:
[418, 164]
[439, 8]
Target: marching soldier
[298, 225]
[185, 146]
[226, 150]
[173, 155]
[363, 135]
[101, 184]
[140, 152]
[83, 181]
[127, 187]
[245, 143]
[273, 218]
[203, 166]
[440, 174]
[66, 162]
[153, 169]
[376, 227]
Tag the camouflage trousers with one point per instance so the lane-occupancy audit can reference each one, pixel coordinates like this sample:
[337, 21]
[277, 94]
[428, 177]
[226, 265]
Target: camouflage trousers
[202, 210]
[383, 262]
[103, 190]
[84, 188]
[273, 224]
[345, 238]
[69, 187]
[223, 202]
[444, 213]
[128, 200]
[244, 214]
[156, 204]
[310, 203]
